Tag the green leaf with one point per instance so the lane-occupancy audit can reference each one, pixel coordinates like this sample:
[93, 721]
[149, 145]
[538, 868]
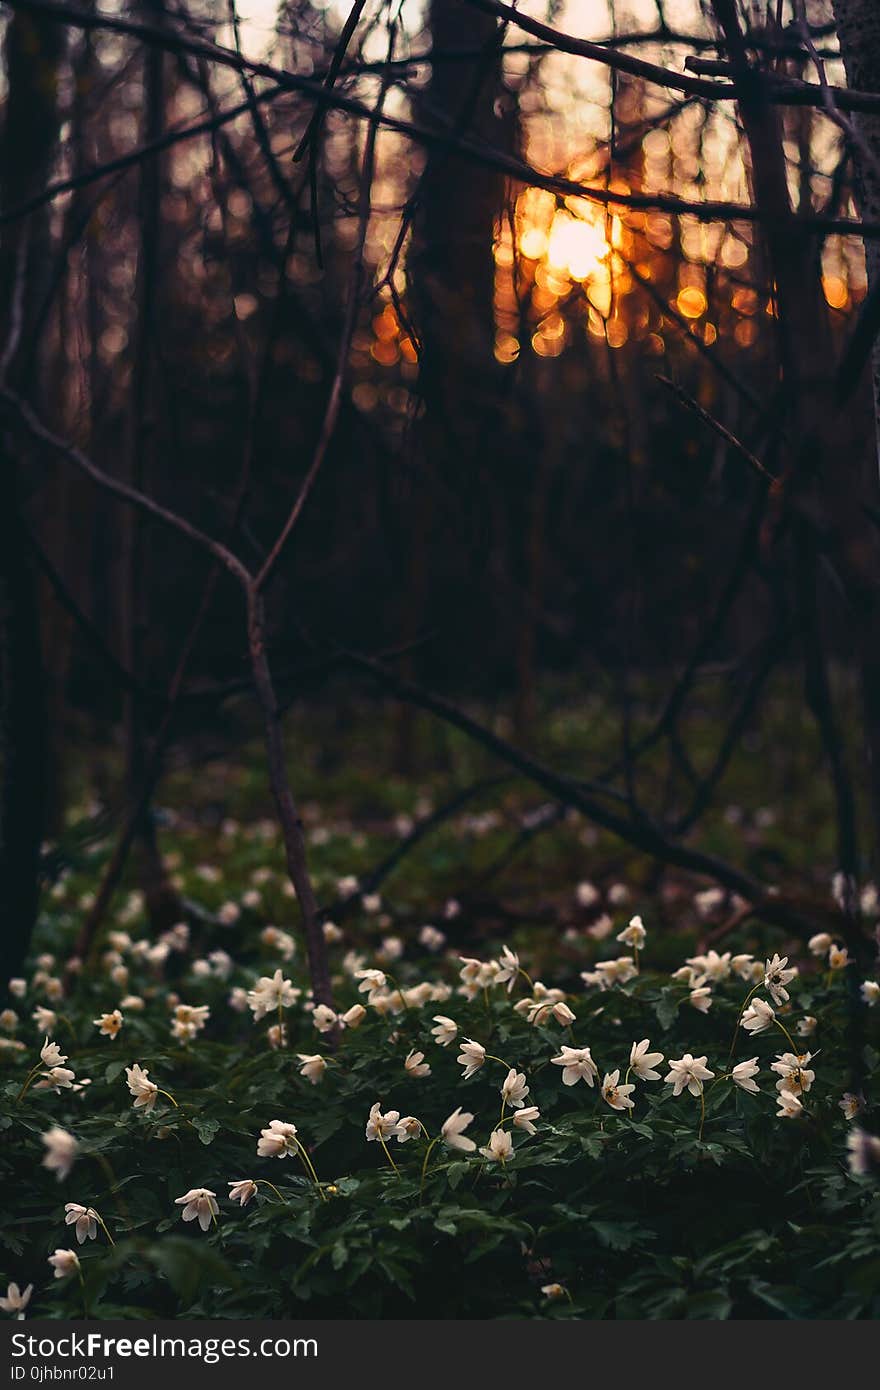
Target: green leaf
[206, 1129]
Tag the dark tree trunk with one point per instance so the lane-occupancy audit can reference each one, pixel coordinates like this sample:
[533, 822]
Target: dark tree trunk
[32, 51]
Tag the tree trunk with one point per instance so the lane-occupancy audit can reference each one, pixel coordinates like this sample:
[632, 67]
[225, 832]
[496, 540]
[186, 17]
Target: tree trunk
[32, 51]
[858, 30]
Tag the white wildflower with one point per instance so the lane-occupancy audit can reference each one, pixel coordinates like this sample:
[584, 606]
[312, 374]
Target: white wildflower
[642, 1062]
[688, 1072]
[577, 1064]
[198, 1204]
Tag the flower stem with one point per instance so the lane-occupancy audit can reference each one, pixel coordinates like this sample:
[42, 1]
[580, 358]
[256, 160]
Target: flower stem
[27, 1081]
[388, 1155]
[103, 1226]
[266, 1183]
[742, 1010]
[490, 1057]
[702, 1113]
[425, 1164]
[310, 1168]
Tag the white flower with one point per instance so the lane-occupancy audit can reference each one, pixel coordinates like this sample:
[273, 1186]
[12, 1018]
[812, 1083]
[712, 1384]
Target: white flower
[587, 894]
[870, 991]
[789, 1106]
[818, 945]
[514, 1089]
[864, 1152]
[84, 1219]
[446, 1030]
[618, 895]
[758, 1017]
[280, 941]
[64, 1262]
[241, 1190]
[370, 981]
[332, 933]
[843, 889]
[385, 1002]
[324, 1018]
[563, 1014]
[601, 928]
[471, 1057]
[381, 1126]
[276, 1036]
[144, 1091]
[432, 939]
[408, 1128]
[452, 1131]
[199, 1203]
[743, 1073]
[270, 993]
[701, 999]
[417, 995]
[807, 1026]
[51, 1055]
[221, 963]
[56, 1079]
[238, 999]
[793, 1072]
[616, 972]
[554, 1291]
[278, 1140]
[477, 974]
[617, 1096]
[688, 1072]
[508, 968]
[744, 966]
[189, 1020]
[708, 901]
[577, 1064]
[61, 1151]
[523, 1118]
[851, 1105]
[688, 975]
[353, 1017]
[838, 957]
[16, 1300]
[500, 1146]
[711, 966]
[390, 949]
[18, 988]
[415, 1064]
[634, 935]
[45, 1019]
[313, 1066]
[642, 1062]
[776, 977]
[109, 1024]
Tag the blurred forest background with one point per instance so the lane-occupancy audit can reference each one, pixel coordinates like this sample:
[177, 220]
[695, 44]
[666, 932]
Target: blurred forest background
[453, 355]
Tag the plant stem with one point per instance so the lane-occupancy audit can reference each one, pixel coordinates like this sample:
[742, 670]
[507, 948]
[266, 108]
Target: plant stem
[425, 1164]
[266, 1183]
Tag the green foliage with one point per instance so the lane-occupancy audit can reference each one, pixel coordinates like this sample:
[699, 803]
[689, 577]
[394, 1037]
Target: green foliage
[656, 1213]
[634, 1215]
